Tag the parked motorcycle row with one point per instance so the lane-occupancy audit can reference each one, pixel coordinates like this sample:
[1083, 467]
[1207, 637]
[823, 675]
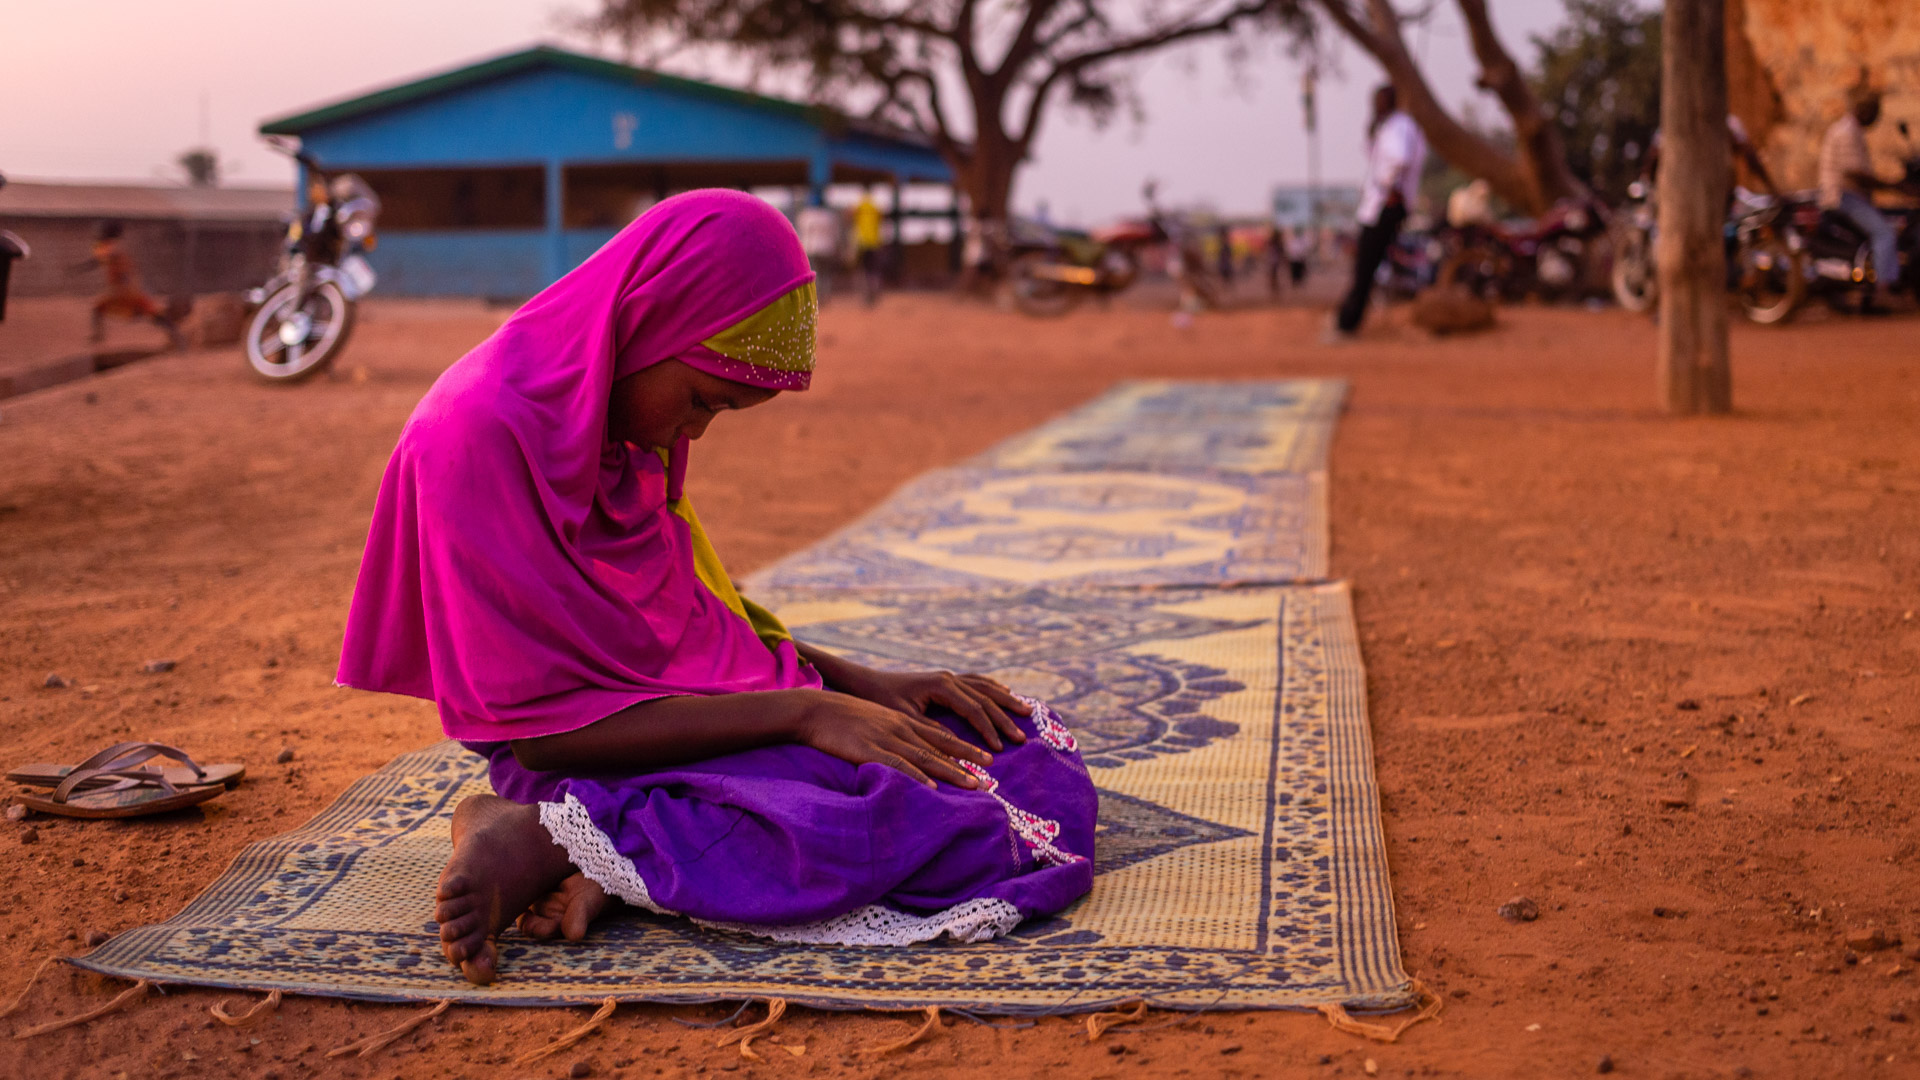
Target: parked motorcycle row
[1781, 250]
[1052, 270]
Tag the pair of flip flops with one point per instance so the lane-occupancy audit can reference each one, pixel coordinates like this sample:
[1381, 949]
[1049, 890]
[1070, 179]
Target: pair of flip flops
[113, 783]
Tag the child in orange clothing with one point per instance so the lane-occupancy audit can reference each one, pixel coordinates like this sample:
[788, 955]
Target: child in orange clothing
[124, 298]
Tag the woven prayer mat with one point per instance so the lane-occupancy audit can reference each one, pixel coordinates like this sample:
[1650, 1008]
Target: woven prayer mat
[976, 527]
[1155, 483]
[1263, 426]
[1239, 858]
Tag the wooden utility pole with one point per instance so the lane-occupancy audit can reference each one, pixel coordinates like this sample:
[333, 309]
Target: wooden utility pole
[1695, 171]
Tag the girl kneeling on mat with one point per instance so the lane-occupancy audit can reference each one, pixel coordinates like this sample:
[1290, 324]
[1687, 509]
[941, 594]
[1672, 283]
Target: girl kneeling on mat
[534, 568]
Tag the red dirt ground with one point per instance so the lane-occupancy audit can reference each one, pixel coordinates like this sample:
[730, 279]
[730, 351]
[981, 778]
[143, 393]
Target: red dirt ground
[1572, 608]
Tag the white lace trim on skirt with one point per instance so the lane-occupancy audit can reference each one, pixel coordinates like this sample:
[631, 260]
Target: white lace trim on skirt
[589, 849]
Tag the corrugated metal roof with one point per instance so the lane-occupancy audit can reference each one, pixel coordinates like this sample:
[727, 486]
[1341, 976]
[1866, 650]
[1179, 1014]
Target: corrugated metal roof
[144, 201]
[539, 56]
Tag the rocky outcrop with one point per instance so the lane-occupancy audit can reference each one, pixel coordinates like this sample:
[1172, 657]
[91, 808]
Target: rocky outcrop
[1790, 64]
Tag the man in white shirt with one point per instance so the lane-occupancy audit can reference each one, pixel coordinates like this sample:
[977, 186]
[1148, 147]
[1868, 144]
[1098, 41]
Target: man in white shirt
[1396, 152]
[1847, 182]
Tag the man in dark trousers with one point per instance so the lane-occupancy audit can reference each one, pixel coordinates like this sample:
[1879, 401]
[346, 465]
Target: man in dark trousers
[1396, 151]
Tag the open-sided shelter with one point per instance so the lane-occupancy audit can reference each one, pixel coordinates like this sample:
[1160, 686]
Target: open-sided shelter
[498, 177]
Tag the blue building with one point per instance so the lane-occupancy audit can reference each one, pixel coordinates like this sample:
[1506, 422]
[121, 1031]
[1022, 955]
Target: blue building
[497, 178]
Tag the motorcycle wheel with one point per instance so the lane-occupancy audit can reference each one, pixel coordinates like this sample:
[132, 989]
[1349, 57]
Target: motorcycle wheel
[1635, 285]
[1039, 296]
[1772, 282]
[286, 344]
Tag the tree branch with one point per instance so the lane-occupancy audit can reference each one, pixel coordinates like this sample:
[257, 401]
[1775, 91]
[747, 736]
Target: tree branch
[1168, 34]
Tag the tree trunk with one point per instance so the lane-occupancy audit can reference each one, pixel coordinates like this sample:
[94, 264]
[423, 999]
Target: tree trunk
[985, 175]
[1694, 177]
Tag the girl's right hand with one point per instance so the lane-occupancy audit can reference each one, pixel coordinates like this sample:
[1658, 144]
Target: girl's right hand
[858, 731]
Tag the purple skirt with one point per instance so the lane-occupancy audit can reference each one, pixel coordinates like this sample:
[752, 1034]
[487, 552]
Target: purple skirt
[794, 844]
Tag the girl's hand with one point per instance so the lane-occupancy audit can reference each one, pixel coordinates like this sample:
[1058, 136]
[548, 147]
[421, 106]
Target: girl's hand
[861, 731]
[980, 701]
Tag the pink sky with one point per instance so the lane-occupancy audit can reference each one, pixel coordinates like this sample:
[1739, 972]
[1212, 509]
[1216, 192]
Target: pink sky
[112, 89]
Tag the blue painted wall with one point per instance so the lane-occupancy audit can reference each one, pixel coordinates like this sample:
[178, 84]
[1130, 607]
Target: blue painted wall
[557, 116]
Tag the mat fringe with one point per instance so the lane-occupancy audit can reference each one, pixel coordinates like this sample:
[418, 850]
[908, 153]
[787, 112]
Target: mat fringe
[776, 1008]
[127, 998]
[1099, 1023]
[592, 1025]
[932, 1021]
[261, 1011]
[1429, 1003]
[374, 1042]
[21, 999]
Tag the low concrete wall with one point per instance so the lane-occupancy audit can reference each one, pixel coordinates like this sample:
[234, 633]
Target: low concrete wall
[173, 257]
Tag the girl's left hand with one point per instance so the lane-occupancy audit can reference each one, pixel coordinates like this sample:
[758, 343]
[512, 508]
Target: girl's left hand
[982, 702]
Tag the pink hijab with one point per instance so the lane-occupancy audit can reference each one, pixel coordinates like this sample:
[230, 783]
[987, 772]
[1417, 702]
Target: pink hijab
[524, 572]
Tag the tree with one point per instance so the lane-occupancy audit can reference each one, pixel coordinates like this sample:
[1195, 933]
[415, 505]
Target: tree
[202, 166]
[977, 79]
[1695, 174]
[1533, 173]
[1599, 76]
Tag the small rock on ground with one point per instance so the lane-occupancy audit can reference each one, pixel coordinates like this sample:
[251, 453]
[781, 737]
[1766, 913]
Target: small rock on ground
[97, 938]
[1519, 909]
[17, 812]
[1606, 1064]
[29, 835]
[1870, 940]
[580, 1071]
[283, 756]
[158, 667]
[56, 681]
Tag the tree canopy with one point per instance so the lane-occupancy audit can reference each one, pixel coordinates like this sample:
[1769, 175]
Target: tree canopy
[1599, 77]
[977, 79]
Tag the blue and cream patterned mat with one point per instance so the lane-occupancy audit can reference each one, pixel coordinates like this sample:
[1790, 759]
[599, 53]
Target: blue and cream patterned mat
[1154, 483]
[1239, 858]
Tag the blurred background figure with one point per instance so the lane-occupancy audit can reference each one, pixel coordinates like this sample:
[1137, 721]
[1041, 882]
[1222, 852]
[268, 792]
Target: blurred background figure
[866, 247]
[1223, 253]
[1396, 152]
[1847, 182]
[124, 297]
[819, 229]
[1470, 204]
[1276, 257]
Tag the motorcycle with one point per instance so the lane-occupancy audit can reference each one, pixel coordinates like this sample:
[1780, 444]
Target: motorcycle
[1839, 257]
[1635, 277]
[1550, 257]
[1766, 268]
[1411, 265]
[1052, 271]
[305, 314]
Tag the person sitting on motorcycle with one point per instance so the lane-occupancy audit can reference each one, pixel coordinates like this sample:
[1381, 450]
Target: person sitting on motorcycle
[1847, 182]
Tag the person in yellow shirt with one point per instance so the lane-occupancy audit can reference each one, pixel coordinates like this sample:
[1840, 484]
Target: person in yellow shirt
[866, 247]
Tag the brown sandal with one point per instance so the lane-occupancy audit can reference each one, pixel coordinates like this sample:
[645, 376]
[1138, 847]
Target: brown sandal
[126, 755]
[118, 793]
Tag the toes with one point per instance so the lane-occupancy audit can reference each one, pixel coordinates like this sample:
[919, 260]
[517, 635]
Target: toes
[454, 887]
[461, 927]
[480, 970]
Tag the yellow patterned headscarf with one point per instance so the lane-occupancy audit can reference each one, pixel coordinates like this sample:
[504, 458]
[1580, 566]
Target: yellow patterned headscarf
[772, 347]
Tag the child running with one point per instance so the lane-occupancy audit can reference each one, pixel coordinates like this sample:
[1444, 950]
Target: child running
[534, 568]
[124, 297]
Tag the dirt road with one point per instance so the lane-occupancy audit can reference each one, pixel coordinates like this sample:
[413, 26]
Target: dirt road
[1658, 676]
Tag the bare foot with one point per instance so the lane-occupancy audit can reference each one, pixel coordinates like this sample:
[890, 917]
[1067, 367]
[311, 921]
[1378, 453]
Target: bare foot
[566, 911]
[503, 860]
